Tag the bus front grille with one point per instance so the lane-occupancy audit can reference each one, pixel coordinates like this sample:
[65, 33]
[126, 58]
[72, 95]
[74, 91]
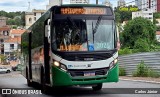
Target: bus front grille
[81, 72]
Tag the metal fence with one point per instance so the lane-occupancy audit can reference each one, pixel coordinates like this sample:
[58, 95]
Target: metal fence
[130, 62]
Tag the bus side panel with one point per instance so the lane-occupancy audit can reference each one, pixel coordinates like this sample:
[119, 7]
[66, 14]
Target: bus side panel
[37, 49]
[61, 78]
[25, 53]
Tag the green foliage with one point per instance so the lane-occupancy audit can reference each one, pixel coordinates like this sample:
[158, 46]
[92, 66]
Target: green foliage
[138, 30]
[155, 47]
[11, 22]
[10, 14]
[122, 71]
[125, 51]
[3, 58]
[142, 45]
[156, 15]
[144, 71]
[14, 27]
[117, 17]
[155, 21]
[15, 18]
[152, 73]
[158, 28]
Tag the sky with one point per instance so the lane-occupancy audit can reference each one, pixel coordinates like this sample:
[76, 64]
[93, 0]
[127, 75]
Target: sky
[22, 5]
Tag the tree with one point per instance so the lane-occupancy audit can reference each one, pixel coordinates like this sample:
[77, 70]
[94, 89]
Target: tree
[156, 15]
[117, 17]
[18, 21]
[158, 28]
[11, 22]
[23, 18]
[139, 32]
[15, 18]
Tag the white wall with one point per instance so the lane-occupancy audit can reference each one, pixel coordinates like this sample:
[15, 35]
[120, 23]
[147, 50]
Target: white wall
[53, 3]
[8, 49]
[145, 14]
[29, 23]
[158, 38]
[143, 4]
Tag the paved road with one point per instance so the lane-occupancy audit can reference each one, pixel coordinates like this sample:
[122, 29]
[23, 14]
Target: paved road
[15, 80]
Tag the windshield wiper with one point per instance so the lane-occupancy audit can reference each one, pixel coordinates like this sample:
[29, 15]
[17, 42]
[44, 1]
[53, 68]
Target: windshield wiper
[94, 30]
[76, 30]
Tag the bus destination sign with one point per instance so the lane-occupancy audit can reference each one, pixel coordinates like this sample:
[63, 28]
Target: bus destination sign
[84, 10]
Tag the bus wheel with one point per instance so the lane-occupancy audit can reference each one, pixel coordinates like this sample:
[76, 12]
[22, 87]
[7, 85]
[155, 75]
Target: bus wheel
[29, 83]
[97, 87]
[43, 84]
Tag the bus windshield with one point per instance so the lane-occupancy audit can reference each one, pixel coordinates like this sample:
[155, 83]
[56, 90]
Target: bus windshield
[83, 35]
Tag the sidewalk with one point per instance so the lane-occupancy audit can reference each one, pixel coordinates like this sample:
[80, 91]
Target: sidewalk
[142, 79]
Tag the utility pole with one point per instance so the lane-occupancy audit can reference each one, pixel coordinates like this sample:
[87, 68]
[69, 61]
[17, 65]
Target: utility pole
[97, 2]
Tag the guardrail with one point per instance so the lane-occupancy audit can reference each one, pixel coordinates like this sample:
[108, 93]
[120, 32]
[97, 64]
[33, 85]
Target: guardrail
[130, 62]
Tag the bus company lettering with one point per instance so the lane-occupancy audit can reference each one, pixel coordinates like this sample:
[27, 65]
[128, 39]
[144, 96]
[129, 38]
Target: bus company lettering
[83, 11]
[72, 66]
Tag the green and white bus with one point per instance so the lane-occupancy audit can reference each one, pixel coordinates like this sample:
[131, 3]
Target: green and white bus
[72, 45]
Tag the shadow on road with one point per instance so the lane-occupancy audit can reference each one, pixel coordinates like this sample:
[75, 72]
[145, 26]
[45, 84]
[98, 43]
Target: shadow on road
[71, 91]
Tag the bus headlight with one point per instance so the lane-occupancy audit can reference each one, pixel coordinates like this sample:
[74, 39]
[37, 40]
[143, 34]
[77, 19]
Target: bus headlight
[60, 66]
[56, 63]
[115, 61]
[112, 64]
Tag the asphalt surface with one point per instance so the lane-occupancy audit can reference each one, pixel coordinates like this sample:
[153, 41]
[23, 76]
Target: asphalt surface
[120, 89]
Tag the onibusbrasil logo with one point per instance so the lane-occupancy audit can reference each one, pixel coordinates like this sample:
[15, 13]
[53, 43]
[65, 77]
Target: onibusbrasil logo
[21, 91]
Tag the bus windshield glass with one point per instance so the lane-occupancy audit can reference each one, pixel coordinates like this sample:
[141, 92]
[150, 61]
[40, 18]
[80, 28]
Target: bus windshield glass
[83, 35]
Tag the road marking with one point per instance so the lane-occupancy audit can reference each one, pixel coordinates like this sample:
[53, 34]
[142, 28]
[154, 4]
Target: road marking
[140, 81]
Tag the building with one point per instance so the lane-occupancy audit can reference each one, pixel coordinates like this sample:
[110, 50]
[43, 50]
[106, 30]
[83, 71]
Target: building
[79, 1]
[13, 42]
[4, 35]
[158, 36]
[158, 5]
[107, 3]
[121, 3]
[146, 14]
[53, 3]
[31, 17]
[3, 21]
[153, 5]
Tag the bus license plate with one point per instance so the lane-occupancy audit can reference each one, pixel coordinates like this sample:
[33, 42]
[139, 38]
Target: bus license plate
[89, 73]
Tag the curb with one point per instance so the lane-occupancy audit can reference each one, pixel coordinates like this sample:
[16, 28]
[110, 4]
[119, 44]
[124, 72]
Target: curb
[140, 81]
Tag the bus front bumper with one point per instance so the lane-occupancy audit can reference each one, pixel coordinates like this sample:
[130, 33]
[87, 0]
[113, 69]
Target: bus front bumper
[61, 78]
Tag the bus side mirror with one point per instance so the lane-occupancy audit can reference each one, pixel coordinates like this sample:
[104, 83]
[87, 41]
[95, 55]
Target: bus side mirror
[47, 30]
[118, 45]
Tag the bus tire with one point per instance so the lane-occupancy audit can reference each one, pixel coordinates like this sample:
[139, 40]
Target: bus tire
[29, 83]
[97, 87]
[43, 82]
